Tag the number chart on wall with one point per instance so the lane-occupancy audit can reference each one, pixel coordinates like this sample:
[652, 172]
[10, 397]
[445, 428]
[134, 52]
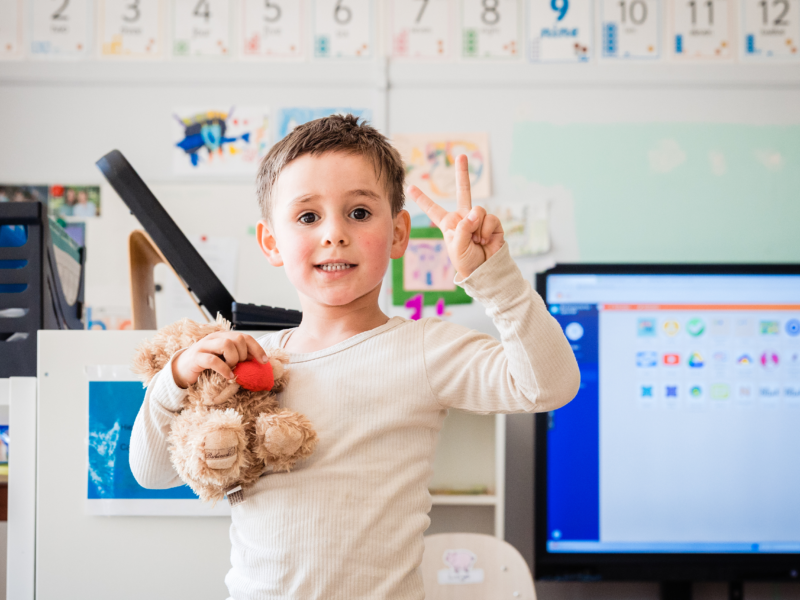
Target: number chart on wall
[343, 28]
[770, 28]
[60, 28]
[272, 29]
[560, 31]
[131, 28]
[421, 29]
[201, 28]
[11, 29]
[490, 28]
[702, 29]
[631, 29]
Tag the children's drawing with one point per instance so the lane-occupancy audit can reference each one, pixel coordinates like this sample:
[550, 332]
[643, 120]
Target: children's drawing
[427, 266]
[289, 118]
[212, 141]
[461, 568]
[525, 226]
[424, 276]
[430, 162]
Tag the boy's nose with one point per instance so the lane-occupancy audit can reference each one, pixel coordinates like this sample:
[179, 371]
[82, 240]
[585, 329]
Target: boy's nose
[335, 236]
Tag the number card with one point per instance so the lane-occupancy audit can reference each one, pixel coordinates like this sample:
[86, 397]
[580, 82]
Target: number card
[771, 28]
[130, 28]
[702, 29]
[272, 29]
[421, 28]
[342, 28]
[631, 29]
[11, 29]
[560, 30]
[60, 27]
[490, 28]
[201, 28]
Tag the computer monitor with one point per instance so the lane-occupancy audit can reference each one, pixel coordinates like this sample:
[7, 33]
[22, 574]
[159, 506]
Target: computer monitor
[678, 459]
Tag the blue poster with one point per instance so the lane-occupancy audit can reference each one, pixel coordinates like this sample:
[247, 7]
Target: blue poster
[113, 406]
[289, 118]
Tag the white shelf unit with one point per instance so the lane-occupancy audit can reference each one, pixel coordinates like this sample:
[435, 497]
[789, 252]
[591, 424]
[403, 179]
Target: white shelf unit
[471, 453]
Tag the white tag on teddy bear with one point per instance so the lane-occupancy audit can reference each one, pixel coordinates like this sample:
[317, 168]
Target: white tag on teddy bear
[235, 495]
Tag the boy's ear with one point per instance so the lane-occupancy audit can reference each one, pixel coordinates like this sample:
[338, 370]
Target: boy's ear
[402, 229]
[268, 243]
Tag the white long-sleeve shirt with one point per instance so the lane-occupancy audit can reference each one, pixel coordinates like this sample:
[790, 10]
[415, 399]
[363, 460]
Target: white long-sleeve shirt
[347, 523]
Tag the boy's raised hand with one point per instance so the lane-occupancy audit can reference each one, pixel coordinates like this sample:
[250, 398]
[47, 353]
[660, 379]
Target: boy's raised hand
[471, 235]
[220, 352]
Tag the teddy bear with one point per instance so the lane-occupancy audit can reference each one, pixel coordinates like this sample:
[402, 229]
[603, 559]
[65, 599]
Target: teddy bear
[228, 433]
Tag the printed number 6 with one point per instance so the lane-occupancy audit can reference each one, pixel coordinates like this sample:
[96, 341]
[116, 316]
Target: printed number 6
[342, 14]
[560, 7]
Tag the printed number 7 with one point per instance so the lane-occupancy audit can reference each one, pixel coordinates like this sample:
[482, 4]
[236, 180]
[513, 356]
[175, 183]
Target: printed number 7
[560, 7]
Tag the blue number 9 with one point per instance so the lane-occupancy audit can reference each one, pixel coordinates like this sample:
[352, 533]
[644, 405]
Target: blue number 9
[561, 7]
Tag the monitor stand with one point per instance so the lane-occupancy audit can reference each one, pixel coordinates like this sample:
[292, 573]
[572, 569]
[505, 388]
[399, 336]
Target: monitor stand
[682, 590]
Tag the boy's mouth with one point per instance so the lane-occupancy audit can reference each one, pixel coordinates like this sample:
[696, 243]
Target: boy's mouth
[334, 266]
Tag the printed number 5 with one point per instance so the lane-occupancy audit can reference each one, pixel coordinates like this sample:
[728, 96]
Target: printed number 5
[273, 16]
[560, 7]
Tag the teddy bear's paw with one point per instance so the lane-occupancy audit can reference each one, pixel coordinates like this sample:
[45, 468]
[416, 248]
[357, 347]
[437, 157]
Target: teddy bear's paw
[221, 449]
[283, 438]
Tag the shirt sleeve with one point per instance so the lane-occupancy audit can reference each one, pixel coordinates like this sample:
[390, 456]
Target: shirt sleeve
[531, 369]
[149, 455]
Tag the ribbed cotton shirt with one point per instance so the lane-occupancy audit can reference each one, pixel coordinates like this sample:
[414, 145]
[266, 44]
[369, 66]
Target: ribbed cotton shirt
[347, 523]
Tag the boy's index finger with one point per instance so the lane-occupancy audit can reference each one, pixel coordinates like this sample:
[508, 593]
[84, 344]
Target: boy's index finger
[428, 206]
[463, 192]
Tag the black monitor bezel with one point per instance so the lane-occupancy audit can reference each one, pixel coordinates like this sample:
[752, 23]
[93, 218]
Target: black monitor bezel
[641, 566]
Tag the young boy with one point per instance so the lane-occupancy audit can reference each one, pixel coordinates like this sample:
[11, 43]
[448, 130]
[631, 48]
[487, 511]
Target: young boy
[348, 522]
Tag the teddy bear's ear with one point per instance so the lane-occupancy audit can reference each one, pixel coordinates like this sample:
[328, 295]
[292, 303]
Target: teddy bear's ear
[153, 355]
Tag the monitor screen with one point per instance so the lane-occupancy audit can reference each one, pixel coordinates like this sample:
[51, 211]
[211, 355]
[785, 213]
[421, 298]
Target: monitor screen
[685, 435]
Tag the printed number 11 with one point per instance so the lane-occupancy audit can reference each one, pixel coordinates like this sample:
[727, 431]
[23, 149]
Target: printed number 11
[709, 4]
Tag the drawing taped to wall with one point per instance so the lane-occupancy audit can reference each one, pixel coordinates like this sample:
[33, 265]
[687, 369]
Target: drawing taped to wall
[219, 141]
[430, 162]
[290, 117]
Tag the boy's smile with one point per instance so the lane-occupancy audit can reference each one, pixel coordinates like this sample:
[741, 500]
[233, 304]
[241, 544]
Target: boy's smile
[332, 227]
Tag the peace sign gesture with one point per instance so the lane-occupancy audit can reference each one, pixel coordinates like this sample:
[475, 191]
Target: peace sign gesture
[471, 235]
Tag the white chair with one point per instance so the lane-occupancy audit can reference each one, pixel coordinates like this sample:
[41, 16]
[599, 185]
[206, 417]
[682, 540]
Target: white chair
[472, 566]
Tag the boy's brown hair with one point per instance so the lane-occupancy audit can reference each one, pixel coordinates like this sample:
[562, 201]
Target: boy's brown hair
[337, 133]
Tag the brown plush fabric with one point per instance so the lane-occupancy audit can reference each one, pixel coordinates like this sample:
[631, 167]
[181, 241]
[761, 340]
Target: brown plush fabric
[262, 436]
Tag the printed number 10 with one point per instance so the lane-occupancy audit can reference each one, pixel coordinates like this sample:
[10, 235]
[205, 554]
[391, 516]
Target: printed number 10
[561, 7]
[636, 18]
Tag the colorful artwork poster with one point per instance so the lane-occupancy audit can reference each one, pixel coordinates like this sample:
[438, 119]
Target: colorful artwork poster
[430, 162]
[220, 141]
[79, 201]
[289, 118]
[425, 270]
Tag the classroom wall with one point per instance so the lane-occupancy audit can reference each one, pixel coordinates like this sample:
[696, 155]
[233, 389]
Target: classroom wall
[57, 119]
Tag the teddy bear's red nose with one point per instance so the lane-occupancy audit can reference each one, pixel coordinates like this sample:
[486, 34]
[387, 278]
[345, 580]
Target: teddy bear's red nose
[254, 376]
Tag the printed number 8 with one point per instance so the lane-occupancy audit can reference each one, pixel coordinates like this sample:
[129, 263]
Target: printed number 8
[490, 16]
[560, 7]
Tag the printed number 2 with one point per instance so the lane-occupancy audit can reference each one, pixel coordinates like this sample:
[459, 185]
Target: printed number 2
[561, 7]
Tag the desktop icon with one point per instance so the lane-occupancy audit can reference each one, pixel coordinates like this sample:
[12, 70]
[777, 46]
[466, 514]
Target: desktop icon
[770, 359]
[695, 327]
[646, 328]
[695, 360]
[745, 392]
[744, 360]
[720, 391]
[554, 309]
[646, 391]
[769, 328]
[792, 392]
[670, 391]
[646, 358]
[574, 331]
[769, 392]
[696, 391]
[720, 357]
[671, 328]
[744, 327]
[672, 359]
[718, 327]
[793, 327]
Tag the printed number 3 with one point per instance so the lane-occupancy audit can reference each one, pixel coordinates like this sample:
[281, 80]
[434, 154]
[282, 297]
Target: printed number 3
[136, 12]
[560, 7]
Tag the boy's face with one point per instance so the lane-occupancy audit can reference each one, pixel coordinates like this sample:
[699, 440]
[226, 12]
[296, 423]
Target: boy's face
[331, 226]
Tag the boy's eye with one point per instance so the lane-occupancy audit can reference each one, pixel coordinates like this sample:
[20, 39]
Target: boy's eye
[360, 214]
[308, 218]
